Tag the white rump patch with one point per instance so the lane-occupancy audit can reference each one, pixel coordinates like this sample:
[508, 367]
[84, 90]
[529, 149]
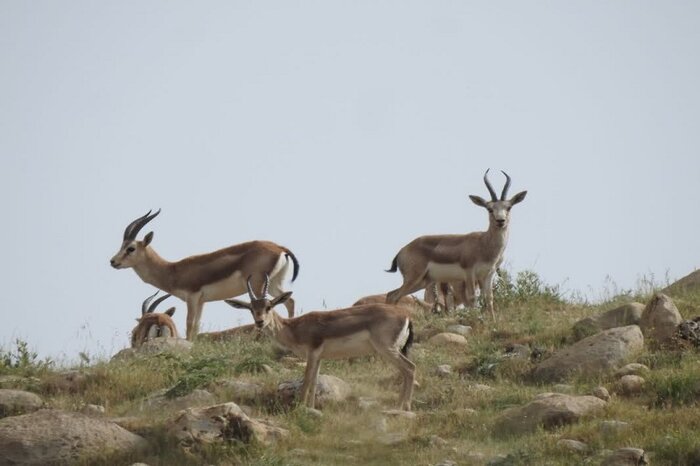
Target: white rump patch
[403, 336]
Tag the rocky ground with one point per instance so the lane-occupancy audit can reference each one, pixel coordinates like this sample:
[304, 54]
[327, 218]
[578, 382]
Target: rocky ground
[551, 382]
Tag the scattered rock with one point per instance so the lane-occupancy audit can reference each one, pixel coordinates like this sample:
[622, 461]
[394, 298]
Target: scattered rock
[58, 437]
[328, 389]
[443, 370]
[159, 400]
[612, 427]
[93, 410]
[463, 330]
[219, 423]
[14, 402]
[690, 282]
[155, 346]
[446, 339]
[549, 410]
[573, 445]
[626, 457]
[601, 392]
[689, 330]
[631, 385]
[632, 369]
[660, 320]
[627, 314]
[592, 356]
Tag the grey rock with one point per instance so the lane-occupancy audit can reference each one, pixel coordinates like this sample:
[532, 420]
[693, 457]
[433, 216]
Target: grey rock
[660, 320]
[592, 356]
[241, 391]
[627, 314]
[573, 445]
[626, 457]
[463, 330]
[631, 385]
[632, 369]
[14, 402]
[93, 410]
[601, 392]
[443, 370]
[329, 389]
[549, 410]
[57, 437]
[447, 339]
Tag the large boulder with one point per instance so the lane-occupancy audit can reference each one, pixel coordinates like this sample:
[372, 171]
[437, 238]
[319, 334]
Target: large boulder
[220, 423]
[690, 282]
[597, 354]
[627, 314]
[660, 320]
[328, 389]
[13, 402]
[548, 410]
[52, 437]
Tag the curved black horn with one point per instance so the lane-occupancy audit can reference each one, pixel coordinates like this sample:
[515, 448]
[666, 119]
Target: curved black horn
[134, 227]
[250, 288]
[266, 286]
[489, 187]
[505, 188]
[146, 302]
[155, 304]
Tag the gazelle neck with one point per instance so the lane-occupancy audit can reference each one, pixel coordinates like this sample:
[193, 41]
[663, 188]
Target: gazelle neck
[277, 329]
[154, 270]
[496, 237]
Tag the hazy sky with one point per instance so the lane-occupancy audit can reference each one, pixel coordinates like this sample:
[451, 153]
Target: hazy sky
[341, 130]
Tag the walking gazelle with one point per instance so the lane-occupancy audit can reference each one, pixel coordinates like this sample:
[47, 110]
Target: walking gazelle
[471, 259]
[341, 334]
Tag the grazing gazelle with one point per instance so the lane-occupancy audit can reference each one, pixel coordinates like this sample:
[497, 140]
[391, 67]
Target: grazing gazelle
[153, 324]
[340, 334]
[206, 277]
[471, 259]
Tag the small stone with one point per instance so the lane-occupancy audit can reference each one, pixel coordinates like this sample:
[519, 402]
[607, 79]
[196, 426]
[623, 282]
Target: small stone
[626, 457]
[632, 369]
[267, 369]
[480, 388]
[437, 441]
[601, 392]
[443, 370]
[632, 384]
[573, 445]
[93, 410]
[463, 330]
[447, 339]
[612, 427]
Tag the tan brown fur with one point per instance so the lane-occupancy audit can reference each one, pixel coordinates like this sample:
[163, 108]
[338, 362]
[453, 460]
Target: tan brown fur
[139, 335]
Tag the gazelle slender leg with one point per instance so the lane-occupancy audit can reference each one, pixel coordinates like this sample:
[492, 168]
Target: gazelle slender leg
[308, 388]
[407, 288]
[406, 368]
[194, 314]
[486, 286]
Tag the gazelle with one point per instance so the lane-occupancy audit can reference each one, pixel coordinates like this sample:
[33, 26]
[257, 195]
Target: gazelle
[340, 334]
[206, 277]
[153, 324]
[471, 258]
[409, 302]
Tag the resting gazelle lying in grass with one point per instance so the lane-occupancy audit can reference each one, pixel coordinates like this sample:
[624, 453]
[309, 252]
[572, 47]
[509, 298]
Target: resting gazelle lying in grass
[341, 334]
[153, 324]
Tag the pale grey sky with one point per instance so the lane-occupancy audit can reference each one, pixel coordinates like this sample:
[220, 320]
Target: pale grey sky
[339, 129]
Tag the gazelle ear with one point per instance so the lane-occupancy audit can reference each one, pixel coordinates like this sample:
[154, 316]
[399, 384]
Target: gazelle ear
[520, 197]
[170, 311]
[478, 201]
[148, 238]
[281, 298]
[237, 304]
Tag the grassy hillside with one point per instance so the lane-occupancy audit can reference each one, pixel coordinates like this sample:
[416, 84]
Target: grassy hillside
[456, 414]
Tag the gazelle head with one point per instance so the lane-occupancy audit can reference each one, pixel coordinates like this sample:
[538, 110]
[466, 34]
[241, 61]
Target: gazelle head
[499, 209]
[131, 251]
[260, 307]
[153, 324]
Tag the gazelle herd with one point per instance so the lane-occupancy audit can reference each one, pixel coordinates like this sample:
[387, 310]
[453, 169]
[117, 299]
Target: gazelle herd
[443, 265]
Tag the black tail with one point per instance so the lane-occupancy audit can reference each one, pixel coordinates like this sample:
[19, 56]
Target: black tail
[394, 265]
[409, 340]
[295, 262]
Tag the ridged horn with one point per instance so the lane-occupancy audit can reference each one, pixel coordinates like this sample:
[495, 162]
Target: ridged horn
[134, 227]
[504, 193]
[489, 187]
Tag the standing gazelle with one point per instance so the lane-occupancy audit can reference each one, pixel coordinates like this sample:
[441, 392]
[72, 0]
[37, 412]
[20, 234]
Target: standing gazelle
[206, 277]
[153, 324]
[471, 258]
[340, 334]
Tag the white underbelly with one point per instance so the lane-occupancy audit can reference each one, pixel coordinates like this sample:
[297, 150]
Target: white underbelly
[352, 346]
[445, 272]
[233, 285]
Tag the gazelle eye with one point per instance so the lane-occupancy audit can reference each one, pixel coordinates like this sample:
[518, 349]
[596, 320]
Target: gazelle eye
[130, 249]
